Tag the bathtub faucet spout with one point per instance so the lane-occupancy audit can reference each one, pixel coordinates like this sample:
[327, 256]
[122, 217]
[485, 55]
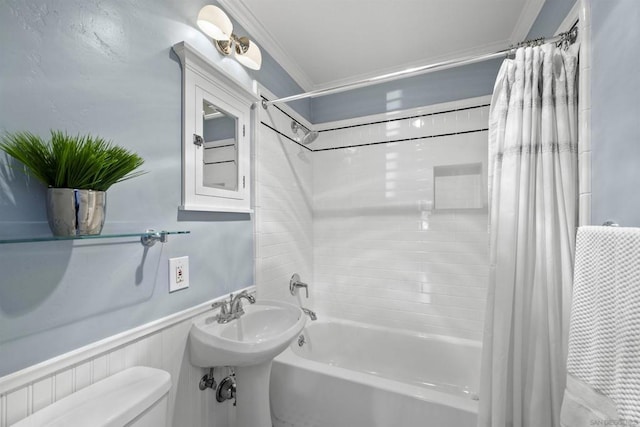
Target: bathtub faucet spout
[310, 313]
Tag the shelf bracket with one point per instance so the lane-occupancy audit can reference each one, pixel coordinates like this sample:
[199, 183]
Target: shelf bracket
[152, 236]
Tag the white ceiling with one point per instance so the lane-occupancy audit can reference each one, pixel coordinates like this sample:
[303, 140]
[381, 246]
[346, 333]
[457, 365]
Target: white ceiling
[323, 43]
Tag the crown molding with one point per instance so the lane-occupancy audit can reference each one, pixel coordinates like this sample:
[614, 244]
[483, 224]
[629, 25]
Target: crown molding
[191, 58]
[243, 15]
[526, 19]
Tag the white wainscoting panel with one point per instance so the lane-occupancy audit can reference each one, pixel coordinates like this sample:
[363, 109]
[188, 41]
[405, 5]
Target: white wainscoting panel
[160, 344]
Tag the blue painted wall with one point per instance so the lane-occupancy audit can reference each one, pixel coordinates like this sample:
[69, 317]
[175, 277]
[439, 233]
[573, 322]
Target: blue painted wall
[427, 89]
[106, 67]
[550, 17]
[615, 111]
[449, 85]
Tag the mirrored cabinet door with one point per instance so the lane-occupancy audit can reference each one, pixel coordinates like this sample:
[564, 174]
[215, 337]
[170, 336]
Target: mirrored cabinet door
[220, 148]
[220, 131]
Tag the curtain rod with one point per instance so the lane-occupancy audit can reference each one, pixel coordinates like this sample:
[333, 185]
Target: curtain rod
[568, 37]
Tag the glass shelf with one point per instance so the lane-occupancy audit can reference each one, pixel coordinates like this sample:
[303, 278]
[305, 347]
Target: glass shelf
[147, 238]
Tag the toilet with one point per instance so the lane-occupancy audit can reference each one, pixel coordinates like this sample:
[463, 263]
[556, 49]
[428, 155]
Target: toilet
[137, 397]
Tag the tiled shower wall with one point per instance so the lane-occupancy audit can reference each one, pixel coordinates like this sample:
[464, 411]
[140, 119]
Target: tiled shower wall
[357, 216]
[356, 219]
[283, 205]
[584, 117]
[392, 244]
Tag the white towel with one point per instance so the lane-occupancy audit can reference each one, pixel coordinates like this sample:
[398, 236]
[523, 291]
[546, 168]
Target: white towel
[582, 406]
[604, 337]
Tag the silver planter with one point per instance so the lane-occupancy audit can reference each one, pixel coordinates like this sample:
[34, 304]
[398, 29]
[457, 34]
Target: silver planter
[74, 212]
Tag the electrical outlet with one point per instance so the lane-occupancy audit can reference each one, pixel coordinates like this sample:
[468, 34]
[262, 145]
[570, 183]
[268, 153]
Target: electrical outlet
[178, 273]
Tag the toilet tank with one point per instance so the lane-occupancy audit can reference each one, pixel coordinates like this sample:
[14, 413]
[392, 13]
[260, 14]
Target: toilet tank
[134, 397]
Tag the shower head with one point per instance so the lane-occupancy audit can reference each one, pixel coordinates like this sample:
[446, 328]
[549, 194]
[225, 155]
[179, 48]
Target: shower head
[308, 136]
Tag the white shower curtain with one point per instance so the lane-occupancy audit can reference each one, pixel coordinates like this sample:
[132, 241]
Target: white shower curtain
[533, 186]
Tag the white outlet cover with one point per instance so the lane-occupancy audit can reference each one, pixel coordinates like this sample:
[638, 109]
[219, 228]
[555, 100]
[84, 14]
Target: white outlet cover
[178, 273]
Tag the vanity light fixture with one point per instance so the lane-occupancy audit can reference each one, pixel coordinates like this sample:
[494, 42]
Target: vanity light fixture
[216, 24]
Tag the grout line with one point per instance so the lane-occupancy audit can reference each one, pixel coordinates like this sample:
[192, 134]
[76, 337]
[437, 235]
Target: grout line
[3, 410]
[53, 388]
[378, 122]
[374, 143]
[409, 325]
[405, 118]
[399, 294]
[107, 363]
[401, 140]
[92, 363]
[29, 399]
[52, 395]
[418, 314]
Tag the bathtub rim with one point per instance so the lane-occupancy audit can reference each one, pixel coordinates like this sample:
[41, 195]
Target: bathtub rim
[289, 357]
[396, 330]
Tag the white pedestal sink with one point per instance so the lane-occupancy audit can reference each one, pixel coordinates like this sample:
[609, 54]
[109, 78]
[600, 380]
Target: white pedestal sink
[249, 344]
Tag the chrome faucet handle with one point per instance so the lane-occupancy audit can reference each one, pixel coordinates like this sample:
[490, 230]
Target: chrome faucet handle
[295, 283]
[223, 316]
[222, 305]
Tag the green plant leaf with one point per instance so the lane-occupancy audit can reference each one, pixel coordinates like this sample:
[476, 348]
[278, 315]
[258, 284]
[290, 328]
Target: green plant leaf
[82, 161]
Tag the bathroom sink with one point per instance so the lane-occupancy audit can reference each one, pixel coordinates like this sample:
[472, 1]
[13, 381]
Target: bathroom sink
[260, 334]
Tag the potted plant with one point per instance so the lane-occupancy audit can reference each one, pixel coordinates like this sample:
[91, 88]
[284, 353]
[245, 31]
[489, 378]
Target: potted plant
[78, 171]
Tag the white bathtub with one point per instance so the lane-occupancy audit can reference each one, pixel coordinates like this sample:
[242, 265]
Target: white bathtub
[351, 374]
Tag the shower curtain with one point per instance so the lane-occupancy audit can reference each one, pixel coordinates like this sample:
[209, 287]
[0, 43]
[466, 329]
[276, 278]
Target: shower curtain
[533, 187]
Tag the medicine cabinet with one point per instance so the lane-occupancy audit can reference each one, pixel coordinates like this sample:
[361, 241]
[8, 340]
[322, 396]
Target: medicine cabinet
[216, 115]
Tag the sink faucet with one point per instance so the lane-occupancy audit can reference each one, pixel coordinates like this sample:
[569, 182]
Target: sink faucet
[232, 309]
[235, 306]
